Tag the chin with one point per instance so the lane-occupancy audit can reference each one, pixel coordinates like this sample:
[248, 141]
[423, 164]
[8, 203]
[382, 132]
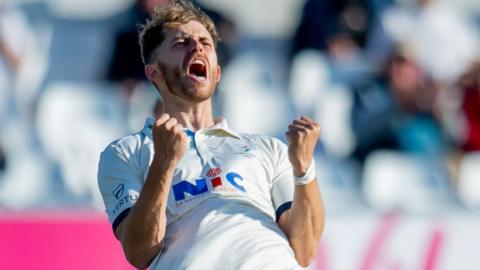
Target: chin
[199, 95]
[199, 92]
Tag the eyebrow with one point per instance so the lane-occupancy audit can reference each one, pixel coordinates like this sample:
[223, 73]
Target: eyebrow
[182, 35]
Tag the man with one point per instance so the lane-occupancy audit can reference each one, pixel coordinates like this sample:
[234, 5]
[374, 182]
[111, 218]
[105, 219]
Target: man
[187, 192]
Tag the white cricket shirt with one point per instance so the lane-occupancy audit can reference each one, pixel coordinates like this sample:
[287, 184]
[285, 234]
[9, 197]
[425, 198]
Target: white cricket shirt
[227, 192]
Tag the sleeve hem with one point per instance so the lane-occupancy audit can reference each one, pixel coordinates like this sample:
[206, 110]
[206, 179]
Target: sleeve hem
[119, 219]
[280, 210]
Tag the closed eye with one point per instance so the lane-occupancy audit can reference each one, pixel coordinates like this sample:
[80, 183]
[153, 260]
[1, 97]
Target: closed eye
[206, 42]
[179, 43]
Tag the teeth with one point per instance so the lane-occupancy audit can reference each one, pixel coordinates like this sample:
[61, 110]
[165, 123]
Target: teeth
[198, 61]
[200, 78]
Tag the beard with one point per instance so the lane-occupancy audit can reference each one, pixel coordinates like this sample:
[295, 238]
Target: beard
[178, 86]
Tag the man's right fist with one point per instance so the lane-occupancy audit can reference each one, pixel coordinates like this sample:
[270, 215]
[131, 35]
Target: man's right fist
[169, 139]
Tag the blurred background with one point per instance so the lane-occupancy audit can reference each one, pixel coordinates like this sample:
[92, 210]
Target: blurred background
[395, 85]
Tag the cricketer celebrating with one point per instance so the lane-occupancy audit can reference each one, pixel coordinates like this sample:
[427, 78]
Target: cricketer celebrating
[187, 191]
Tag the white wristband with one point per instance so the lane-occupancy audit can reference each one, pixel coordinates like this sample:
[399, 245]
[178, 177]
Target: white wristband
[308, 177]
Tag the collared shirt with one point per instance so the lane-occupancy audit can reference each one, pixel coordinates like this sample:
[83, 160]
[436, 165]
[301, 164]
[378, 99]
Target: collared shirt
[227, 192]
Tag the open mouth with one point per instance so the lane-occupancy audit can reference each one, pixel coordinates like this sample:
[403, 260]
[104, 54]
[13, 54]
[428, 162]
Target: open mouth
[197, 70]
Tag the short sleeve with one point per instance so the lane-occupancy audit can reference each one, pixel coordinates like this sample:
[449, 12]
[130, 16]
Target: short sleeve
[120, 182]
[282, 184]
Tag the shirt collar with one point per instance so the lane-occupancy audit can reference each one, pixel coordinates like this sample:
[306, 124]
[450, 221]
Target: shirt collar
[220, 129]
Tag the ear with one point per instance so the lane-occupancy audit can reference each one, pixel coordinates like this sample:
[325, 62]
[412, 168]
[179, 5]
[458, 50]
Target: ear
[152, 73]
[219, 73]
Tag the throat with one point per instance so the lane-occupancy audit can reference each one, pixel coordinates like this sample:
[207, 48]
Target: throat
[192, 116]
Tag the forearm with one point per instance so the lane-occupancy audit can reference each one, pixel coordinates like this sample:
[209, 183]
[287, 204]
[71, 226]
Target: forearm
[144, 228]
[304, 222]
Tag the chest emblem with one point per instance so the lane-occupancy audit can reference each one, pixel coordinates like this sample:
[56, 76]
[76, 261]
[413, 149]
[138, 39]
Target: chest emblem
[212, 181]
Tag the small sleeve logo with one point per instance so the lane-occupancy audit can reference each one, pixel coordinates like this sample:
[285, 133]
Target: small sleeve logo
[118, 191]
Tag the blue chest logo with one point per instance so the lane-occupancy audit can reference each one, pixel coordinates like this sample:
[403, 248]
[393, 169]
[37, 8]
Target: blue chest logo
[202, 185]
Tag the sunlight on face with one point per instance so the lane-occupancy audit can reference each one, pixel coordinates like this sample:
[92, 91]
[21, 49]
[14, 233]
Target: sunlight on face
[188, 62]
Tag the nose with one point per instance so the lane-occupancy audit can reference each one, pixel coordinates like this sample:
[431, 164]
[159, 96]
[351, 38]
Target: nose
[196, 45]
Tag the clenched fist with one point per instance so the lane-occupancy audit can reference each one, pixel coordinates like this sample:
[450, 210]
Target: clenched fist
[302, 137]
[169, 139]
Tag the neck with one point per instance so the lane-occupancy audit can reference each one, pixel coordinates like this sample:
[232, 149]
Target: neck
[192, 116]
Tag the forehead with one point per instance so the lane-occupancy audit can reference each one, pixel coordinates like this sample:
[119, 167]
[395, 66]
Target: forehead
[190, 29]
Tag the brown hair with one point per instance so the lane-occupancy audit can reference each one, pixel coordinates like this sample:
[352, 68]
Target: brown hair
[169, 16]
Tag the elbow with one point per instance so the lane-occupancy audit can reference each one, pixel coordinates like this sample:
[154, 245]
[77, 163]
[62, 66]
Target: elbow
[306, 251]
[136, 261]
[140, 254]
[136, 258]
[305, 259]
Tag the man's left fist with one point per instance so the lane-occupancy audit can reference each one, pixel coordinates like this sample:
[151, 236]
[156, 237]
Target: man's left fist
[302, 137]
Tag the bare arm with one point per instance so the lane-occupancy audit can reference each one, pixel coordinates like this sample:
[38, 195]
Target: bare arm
[303, 223]
[143, 230]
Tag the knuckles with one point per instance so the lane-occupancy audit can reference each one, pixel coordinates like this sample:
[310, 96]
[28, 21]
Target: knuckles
[303, 127]
[165, 123]
[171, 122]
[177, 128]
[162, 119]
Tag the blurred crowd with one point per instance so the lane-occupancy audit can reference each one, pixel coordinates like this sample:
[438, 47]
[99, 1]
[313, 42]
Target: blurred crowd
[395, 85]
